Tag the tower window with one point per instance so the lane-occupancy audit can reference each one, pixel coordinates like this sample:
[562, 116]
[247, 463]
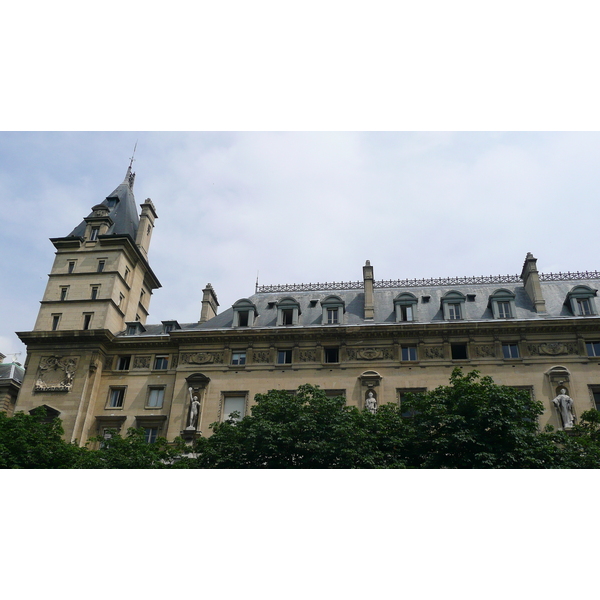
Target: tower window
[87, 320]
[55, 322]
[71, 267]
[63, 292]
[121, 298]
[127, 271]
[101, 265]
[94, 292]
[94, 234]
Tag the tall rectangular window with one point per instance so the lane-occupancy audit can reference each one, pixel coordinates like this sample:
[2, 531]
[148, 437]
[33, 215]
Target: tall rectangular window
[409, 352]
[63, 292]
[71, 266]
[234, 404]
[161, 362]
[596, 394]
[284, 357]
[156, 396]
[584, 307]
[87, 320]
[150, 434]
[121, 298]
[332, 316]
[116, 396]
[127, 271]
[406, 312]
[510, 350]
[101, 265]
[94, 234]
[593, 348]
[504, 310]
[287, 316]
[454, 312]
[55, 322]
[94, 294]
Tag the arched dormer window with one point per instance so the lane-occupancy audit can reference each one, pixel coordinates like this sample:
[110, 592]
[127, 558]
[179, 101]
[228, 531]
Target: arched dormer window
[581, 301]
[502, 303]
[453, 306]
[333, 310]
[405, 305]
[244, 313]
[288, 311]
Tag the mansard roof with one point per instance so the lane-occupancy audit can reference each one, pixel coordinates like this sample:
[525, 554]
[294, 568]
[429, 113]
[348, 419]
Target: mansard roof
[123, 214]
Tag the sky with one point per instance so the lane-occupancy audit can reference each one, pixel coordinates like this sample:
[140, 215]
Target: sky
[300, 207]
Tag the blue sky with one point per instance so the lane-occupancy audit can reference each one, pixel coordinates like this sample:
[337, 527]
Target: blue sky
[300, 207]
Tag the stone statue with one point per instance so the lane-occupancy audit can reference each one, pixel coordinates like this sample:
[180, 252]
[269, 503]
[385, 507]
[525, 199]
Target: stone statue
[194, 410]
[564, 406]
[371, 403]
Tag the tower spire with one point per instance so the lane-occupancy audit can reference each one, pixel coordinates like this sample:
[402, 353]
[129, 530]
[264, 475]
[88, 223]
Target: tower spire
[129, 176]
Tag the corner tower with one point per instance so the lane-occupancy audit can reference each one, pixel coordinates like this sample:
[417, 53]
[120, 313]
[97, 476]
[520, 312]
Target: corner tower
[101, 278]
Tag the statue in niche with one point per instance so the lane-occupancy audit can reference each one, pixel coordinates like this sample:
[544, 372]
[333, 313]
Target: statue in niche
[194, 411]
[371, 402]
[564, 406]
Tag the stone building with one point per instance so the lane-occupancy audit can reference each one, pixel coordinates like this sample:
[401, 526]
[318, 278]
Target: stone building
[94, 359]
[11, 377]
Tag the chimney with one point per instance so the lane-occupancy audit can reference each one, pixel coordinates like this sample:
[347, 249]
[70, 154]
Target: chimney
[368, 282]
[531, 282]
[209, 303]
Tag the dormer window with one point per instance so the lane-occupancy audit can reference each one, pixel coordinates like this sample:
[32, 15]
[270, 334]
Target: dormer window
[333, 310]
[244, 313]
[581, 301]
[405, 306]
[169, 326]
[111, 202]
[502, 303]
[288, 311]
[134, 327]
[94, 234]
[453, 306]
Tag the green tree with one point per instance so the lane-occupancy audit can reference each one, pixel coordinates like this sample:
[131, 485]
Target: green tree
[305, 430]
[30, 441]
[580, 446]
[474, 423]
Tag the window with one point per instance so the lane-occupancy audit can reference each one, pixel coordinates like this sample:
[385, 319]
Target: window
[142, 296]
[116, 397]
[131, 330]
[332, 316]
[287, 316]
[121, 298]
[243, 319]
[584, 307]
[111, 202]
[101, 265]
[581, 301]
[510, 350]
[288, 311]
[87, 320]
[94, 292]
[150, 434]
[244, 313]
[127, 271]
[596, 396]
[156, 396]
[454, 312]
[459, 351]
[137, 317]
[94, 234]
[284, 357]
[238, 358]
[123, 363]
[168, 328]
[408, 353]
[332, 355]
[333, 310]
[161, 362]
[593, 348]
[63, 292]
[502, 303]
[71, 267]
[234, 404]
[402, 396]
[504, 310]
[55, 322]
[452, 306]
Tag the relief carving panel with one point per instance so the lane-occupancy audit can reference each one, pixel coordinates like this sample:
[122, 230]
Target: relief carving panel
[55, 374]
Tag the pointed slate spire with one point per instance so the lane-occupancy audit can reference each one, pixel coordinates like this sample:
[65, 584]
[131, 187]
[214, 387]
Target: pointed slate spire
[122, 209]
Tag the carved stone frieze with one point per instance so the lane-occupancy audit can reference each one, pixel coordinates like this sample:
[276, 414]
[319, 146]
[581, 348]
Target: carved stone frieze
[141, 362]
[434, 352]
[201, 358]
[308, 355]
[485, 351]
[552, 348]
[261, 356]
[370, 353]
[55, 374]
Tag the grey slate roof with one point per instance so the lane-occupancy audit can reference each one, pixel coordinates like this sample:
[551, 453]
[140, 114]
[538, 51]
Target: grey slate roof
[555, 295]
[124, 213]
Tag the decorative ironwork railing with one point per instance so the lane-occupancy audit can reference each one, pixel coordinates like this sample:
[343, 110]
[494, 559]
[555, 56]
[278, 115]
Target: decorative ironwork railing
[435, 281]
[570, 276]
